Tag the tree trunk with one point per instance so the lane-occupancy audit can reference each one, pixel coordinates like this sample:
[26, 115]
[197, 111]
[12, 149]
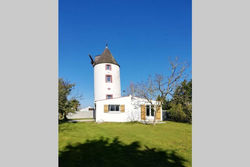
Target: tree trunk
[65, 117]
[154, 119]
[154, 122]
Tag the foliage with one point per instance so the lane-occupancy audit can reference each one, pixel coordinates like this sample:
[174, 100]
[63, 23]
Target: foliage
[176, 113]
[66, 105]
[180, 106]
[188, 111]
[164, 102]
[176, 137]
[183, 93]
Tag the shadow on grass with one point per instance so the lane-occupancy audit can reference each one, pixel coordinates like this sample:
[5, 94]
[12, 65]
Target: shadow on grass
[67, 121]
[62, 121]
[106, 153]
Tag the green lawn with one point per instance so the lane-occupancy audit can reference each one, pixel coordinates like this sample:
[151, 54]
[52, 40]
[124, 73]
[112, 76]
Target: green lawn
[125, 144]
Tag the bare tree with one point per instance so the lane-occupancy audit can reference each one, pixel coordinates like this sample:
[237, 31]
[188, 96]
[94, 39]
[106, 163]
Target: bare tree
[131, 89]
[148, 91]
[167, 84]
[161, 86]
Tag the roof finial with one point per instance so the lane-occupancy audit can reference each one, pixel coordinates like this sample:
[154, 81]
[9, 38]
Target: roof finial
[106, 45]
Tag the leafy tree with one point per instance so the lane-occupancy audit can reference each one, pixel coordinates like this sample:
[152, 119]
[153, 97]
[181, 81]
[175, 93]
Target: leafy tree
[176, 113]
[183, 93]
[188, 111]
[165, 103]
[183, 96]
[66, 105]
[75, 104]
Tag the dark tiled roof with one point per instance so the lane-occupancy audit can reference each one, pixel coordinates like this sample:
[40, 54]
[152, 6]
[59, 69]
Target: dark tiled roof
[105, 57]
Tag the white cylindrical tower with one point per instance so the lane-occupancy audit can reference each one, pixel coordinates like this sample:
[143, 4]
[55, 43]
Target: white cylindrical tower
[106, 76]
[107, 82]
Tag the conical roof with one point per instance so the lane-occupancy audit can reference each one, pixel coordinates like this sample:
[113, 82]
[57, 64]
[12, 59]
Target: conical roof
[105, 57]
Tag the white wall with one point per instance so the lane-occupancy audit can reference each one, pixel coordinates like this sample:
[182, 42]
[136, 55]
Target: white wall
[113, 116]
[132, 110]
[100, 85]
[81, 114]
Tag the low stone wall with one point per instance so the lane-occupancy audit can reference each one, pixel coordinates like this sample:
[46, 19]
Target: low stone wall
[81, 114]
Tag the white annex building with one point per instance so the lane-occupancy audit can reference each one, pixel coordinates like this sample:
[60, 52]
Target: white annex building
[110, 106]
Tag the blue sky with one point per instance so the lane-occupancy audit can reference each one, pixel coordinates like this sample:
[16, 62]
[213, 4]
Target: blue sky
[141, 35]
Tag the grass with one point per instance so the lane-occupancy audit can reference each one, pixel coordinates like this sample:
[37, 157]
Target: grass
[125, 144]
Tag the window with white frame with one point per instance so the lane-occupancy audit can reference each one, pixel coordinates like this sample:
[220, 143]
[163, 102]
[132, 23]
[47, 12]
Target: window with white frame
[114, 107]
[150, 111]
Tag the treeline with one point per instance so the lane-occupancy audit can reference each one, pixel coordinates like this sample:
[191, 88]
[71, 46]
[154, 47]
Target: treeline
[179, 107]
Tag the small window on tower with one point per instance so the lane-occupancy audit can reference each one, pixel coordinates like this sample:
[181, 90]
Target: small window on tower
[109, 97]
[109, 78]
[108, 67]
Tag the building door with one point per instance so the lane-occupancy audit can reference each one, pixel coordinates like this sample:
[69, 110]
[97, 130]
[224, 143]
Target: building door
[150, 111]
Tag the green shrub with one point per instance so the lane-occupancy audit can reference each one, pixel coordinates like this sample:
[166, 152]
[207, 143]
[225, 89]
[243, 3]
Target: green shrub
[187, 109]
[176, 113]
